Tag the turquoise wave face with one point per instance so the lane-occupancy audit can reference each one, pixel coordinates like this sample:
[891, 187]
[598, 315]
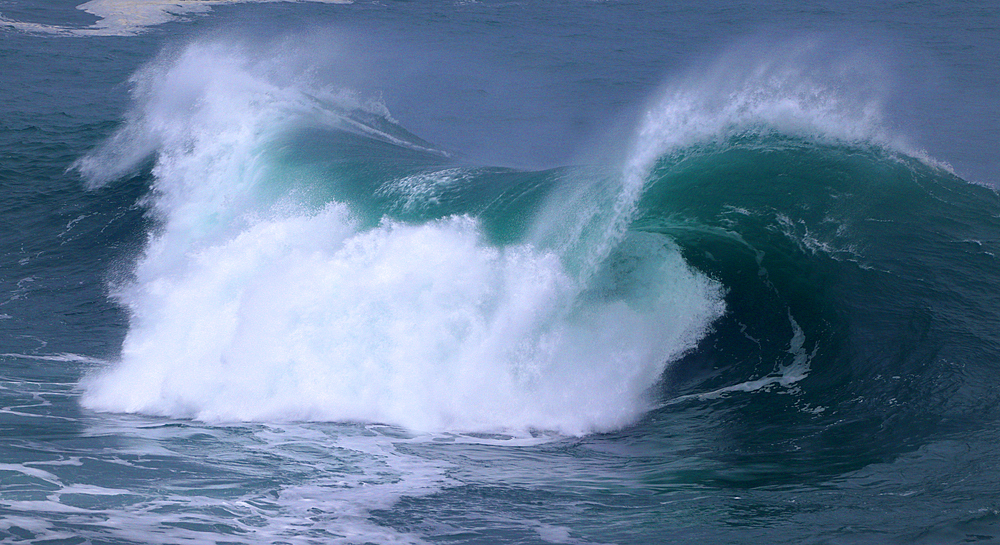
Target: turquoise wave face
[858, 297]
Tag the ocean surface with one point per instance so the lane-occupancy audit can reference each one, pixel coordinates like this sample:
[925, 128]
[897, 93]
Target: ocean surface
[484, 272]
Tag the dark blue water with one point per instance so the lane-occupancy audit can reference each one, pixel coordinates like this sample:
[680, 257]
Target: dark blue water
[486, 272]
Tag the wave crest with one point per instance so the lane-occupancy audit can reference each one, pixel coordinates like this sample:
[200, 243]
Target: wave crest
[248, 307]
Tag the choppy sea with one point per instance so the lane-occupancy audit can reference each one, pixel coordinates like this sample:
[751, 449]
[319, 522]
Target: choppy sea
[487, 272]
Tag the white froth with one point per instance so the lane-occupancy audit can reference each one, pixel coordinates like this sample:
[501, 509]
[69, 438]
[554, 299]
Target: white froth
[304, 318]
[790, 91]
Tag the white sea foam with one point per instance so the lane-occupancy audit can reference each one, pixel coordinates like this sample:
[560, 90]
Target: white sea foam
[424, 326]
[793, 90]
[351, 470]
[247, 309]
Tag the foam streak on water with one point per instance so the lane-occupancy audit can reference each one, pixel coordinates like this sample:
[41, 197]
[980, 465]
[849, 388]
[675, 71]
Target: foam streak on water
[130, 17]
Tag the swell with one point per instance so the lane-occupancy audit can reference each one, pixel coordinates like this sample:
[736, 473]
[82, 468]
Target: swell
[313, 256]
